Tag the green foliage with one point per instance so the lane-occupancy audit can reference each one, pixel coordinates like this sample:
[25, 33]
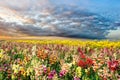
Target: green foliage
[16, 56]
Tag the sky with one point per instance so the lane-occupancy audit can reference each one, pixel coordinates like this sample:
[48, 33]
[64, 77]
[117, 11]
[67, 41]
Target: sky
[39, 17]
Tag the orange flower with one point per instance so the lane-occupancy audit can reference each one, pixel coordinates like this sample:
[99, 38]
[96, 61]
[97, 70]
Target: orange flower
[53, 58]
[42, 55]
[48, 70]
[27, 58]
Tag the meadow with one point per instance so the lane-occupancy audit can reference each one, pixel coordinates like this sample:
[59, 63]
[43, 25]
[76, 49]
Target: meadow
[59, 60]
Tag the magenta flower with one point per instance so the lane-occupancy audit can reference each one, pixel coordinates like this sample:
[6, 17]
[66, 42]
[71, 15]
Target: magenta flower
[62, 73]
[51, 74]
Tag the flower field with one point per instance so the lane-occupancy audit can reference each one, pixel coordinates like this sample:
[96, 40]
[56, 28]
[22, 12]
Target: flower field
[59, 60]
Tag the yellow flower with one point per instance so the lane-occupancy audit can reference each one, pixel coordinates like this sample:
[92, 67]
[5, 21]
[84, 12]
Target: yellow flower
[1, 55]
[13, 77]
[1, 51]
[29, 70]
[15, 68]
[78, 72]
[22, 71]
[86, 70]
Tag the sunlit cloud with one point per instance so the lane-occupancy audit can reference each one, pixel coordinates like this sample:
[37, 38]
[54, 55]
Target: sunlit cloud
[23, 4]
[113, 34]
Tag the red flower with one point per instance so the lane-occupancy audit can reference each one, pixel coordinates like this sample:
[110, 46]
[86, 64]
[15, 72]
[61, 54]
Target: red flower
[82, 64]
[82, 56]
[91, 51]
[113, 65]
[80, 51]
[89, 62]
[104, 78]
[84, 61]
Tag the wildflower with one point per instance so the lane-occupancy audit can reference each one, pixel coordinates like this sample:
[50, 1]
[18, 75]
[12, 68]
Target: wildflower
[51, 74]
[65, 67]
[53, 58]
[42, 55]
[29, 70]
[80, 51]
[22, 71]
[1, 51]
[62, 61]
[82, 55]
[9, 71]
[76, 78]
[33, 50]
[48, 70]
[13, 77]
[78, 72]
[1, 55]
[1, 69]
[62, 73]
[39, 70]
[27, 58]
[113, 65]
[44, 69]
[89, 61]
[15, 68]
[82, 63]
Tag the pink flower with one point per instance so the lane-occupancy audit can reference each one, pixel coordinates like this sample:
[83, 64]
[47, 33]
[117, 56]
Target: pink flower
[1, 69]
[44, 69]
[62, 73]
[51, 74]
[76, 78]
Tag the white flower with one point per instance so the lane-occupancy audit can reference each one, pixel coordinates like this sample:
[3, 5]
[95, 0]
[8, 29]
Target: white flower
[34, 50]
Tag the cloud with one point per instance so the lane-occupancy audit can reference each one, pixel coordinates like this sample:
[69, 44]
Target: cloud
[113, 34]
[23, 4]
[68, 21]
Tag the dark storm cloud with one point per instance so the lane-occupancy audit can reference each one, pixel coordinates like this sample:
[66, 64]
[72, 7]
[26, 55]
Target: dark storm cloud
[68, 22]
[67, 18]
